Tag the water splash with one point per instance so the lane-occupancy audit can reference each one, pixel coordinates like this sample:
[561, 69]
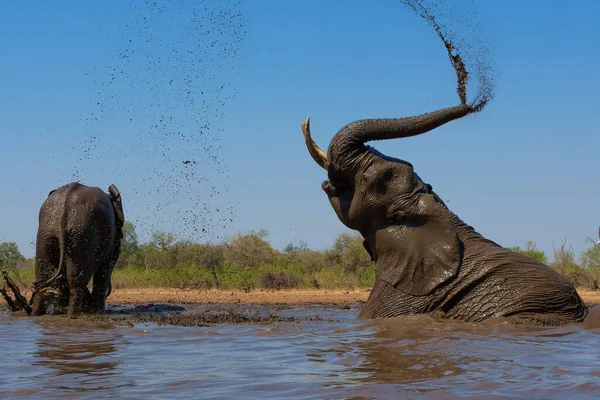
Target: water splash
[456, 23]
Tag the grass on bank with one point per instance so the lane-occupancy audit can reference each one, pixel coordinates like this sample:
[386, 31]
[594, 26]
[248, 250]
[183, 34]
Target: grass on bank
[247, 262]
[232, 278]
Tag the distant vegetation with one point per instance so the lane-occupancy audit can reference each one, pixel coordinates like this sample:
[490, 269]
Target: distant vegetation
[584, 275]
[243, 262]
[247, 262]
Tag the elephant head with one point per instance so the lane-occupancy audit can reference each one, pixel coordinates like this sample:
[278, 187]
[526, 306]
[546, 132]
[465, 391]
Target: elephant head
[115, 198]
[406, 226]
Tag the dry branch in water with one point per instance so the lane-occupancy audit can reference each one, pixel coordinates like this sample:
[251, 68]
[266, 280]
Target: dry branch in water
[19, 302]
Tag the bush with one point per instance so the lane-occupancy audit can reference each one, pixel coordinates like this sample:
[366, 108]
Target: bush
[154, 258]
[340, 244]
[334, 278]
[366, 277]
[245, 262]
[590, 260]
[532, 251]
[278, 280]
[10, 256]
[348, 251]
[564, 263]
[355, 258]
[233, 278]
[313, 261]
[181, 277]
[250, 250]
[129, 242]
[23, 273]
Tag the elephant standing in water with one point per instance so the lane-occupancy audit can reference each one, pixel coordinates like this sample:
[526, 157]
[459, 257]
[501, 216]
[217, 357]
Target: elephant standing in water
[79, 237]
[427, 258]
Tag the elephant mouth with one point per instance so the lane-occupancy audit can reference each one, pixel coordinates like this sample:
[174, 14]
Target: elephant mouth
[328, 188]
[333, 189]
[336, 188]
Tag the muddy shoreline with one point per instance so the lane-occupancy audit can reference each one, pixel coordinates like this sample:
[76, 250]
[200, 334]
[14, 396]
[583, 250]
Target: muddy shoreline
[258, 296]
[203, 308]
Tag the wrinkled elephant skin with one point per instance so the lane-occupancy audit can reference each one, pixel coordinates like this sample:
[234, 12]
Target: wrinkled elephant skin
[427, 259]
[79, 238]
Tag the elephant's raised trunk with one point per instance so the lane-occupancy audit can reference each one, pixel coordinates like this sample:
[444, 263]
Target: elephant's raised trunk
[348, 143]
[350, 139]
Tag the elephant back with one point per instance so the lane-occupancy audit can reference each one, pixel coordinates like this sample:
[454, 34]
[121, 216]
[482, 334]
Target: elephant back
[77, 209]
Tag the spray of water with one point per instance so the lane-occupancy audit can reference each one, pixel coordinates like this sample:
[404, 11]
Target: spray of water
[455, 22]
[159, 106]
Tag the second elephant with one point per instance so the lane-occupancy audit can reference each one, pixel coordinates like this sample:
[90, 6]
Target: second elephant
[79, 238]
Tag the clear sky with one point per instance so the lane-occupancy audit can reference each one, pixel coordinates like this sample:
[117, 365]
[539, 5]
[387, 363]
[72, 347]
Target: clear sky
[121, 92]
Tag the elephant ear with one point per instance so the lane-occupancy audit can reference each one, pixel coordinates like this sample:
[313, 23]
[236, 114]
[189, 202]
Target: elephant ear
[115, 198]
[418, 255]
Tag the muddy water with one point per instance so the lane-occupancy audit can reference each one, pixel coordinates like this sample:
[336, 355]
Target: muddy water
[291, 352]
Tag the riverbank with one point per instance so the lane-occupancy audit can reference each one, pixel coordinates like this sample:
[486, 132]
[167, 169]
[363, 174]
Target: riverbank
[260, 296]
[257, 296]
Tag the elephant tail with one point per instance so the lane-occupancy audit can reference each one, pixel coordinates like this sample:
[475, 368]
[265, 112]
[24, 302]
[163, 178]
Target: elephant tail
[592, 318]
[62, 241]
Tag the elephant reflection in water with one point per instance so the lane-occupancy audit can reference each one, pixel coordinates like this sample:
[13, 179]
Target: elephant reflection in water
[80, 358]
[405, 351]
[414, 354]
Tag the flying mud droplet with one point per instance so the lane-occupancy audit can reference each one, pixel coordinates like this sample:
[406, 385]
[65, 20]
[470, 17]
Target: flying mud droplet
[160, 101]
[456, 24]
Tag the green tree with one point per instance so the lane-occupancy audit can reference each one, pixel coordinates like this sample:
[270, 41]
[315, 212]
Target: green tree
[532, 251]
[129, 243]
[348, 251]
[591, 257]
[10, 255]
[564, 263]
[340, 245]
[250, 250]
[590, 260]
[162, 240]
[292, 248]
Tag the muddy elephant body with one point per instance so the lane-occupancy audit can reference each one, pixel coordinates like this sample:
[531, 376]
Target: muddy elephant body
[79, 238]
[481, 280]
[427, 259]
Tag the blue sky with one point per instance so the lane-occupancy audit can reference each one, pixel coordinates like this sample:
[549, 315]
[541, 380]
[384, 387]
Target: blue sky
[80, 101]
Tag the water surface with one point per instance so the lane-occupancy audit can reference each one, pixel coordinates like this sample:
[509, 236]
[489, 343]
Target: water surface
[324, 353]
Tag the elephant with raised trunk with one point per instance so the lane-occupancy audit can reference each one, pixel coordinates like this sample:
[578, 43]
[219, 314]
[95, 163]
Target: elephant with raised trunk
[427, 259]
[79, 238]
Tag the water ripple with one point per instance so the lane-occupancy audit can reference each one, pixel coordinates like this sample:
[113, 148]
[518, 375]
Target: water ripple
[332, 356]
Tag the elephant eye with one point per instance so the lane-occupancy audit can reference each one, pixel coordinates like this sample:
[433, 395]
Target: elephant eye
[387, 175]
[340, 184]
[384, 180]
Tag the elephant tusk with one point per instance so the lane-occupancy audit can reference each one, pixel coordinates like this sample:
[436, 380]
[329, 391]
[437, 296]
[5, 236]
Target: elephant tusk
[316, 153]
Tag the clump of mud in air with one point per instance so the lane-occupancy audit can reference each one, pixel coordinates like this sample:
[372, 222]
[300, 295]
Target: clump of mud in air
[456, 24]
[159, 106]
